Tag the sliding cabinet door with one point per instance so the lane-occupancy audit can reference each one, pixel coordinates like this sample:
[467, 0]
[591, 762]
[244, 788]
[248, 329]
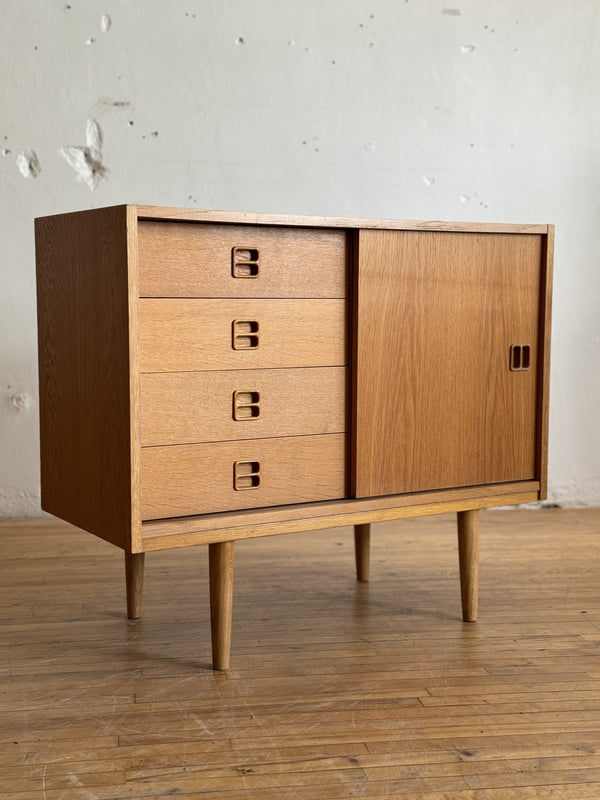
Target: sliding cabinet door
[445, 330]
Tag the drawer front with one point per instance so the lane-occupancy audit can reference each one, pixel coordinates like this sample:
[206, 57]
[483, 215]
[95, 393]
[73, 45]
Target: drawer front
[182, 480]
[190, 335]
[182, 259]
[185, 407]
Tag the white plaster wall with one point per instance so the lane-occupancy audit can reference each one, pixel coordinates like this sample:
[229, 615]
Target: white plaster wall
[457, 109]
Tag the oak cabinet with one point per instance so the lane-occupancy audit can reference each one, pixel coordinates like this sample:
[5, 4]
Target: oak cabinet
[207, 377]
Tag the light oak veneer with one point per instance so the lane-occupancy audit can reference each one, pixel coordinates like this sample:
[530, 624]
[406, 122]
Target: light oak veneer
[182, 260]
[192, 335]
[188, 479]
[248, 375]
[184, 407]
[433, 335]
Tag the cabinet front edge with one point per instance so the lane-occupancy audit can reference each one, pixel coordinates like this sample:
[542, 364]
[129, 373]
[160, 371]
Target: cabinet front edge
[303, 220]
[164, 541]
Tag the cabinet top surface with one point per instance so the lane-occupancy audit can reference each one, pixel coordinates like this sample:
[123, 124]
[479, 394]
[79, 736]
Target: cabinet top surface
[145, 212]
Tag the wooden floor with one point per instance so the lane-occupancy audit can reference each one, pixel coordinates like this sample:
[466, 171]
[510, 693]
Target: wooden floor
[337, 689]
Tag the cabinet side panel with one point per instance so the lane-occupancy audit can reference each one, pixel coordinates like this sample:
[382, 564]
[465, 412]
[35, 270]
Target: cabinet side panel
[437, 402]
[135, 541]
[83, 345]
[544, 369]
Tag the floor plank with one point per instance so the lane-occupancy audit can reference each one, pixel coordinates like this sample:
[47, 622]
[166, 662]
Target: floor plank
[337, 689]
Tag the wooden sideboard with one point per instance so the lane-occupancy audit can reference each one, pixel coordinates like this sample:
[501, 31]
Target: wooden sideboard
[209, 376]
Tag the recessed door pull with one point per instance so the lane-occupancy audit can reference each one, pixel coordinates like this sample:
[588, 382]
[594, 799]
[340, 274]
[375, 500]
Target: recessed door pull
[245, 262]
[244, 334]
[246, 475]
[520, 357]
[246, 405]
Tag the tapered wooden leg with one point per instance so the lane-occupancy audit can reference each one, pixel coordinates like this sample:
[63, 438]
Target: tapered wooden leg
[220, 560]
[468, 557]
[362, 546]
[134, 581]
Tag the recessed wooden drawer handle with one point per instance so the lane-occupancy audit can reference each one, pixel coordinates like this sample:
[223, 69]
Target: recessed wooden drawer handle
[244, 334]
[520, 357]
[246, 405]
[246, 475]
[245, 262]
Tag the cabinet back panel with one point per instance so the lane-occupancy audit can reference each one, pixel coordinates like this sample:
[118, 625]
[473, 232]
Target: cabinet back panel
[436, 315]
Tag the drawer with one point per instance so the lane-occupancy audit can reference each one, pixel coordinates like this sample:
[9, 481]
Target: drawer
[183, 259]
[191, 334]
[185, 407]
[182, 480]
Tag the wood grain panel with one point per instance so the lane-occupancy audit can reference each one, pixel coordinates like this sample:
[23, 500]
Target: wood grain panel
[262, 218]
[435, 404]
[195, 260]
[185, 407]
[85, 387]
[191, 334]
[198, 478]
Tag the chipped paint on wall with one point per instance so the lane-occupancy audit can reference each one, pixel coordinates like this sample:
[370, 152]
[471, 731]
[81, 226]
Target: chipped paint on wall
[87, 161]
[28, 164]
[20, 401]
[105, 23]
